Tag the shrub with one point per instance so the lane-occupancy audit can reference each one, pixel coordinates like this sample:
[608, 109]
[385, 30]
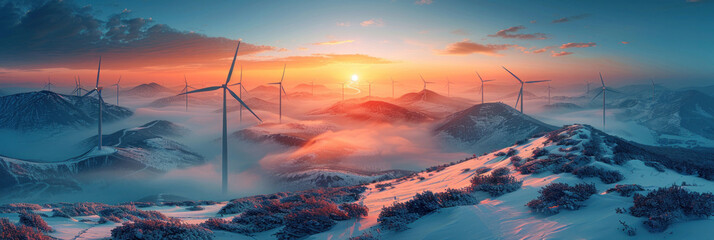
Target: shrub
[454, 197]
[195, 208]
[626, 190]
[158, 229]
[354, 210]
[398, 215]
[364, 236]
[382, 186]
[665, 206]
[35, 221]
[511, 152]
[500, 154]
[129, 212]
[556, 196]
[501, 171]
[495, 184]
[9, 230]
[516, 161]
[19, 207]
[482, 170]
[304, 223]
[627, 229]
[606, 176]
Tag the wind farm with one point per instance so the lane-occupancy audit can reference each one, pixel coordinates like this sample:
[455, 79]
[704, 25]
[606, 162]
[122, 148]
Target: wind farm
[399, 122]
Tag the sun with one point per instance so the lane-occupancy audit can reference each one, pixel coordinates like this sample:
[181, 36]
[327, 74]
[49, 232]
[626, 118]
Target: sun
[355, 77]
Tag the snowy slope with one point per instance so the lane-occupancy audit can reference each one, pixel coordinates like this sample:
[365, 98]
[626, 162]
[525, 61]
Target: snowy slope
[48, 110]
[292, 134]
[502, 217]
[431, 103]
[148, 90]
[489, 126]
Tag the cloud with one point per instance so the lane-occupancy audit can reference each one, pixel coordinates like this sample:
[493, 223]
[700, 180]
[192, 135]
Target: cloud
[314, 60]
[460, 32]
[568, 19]
[624, 42]
[560, 54]
[372, 22]
[510, 33]
[534, 21]
[467, 47]
[577, 45]
[423, 2]
[59, 34]
[343, 24]
[533, 50]
[302, 49]
[334, 42]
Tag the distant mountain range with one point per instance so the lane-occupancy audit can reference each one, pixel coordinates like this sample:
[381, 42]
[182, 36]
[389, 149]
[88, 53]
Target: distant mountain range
[432, 103]
[294, 134]
[149, 90]
[379, 111]
[140, 151]
[49, 110]
[488, 126]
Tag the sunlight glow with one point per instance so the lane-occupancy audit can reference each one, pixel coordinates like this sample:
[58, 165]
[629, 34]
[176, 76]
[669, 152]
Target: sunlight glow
[355, 77]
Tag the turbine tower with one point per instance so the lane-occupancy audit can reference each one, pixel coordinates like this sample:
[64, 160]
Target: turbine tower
[281, 90]
[448, 87]
[225, 89]
[520, 92]
[240, 92]
[77, 87]
[98, 89]
[185, 90]
[602, 91]
[423, 97]
[370, 89]
[117, 85]
[48, 85]
[587, 86]
[482, 82]
[549, 88]
[392, 86]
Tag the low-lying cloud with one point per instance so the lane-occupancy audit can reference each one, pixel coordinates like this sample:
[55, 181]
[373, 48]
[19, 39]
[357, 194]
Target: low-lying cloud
[510, 33]
[577, 45]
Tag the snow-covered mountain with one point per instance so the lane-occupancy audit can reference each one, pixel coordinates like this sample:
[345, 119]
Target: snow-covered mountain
[148, 90]
[180, 100]
[141, 151]
[50, 110]
[431, 103]
[678, 118]
[293, 134]
[572, 183]
[489, 126]
[379, 111]
[335, 177]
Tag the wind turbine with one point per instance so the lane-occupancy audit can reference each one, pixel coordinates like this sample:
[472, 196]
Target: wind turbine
[653, 90]
[117, 85]
[281, 90]
[602, 91]
[520, 93]
[482, 82]
[370, 88]
[448, 87]
[240, 92]
[587, 84]
[225, 121]
[77, 87]
[98, 89]
[549, 88]
[392, 86]
[48, 85]
[423, 97]
[185, 90]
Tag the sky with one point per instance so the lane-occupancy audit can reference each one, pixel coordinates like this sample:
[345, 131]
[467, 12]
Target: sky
[327, 42]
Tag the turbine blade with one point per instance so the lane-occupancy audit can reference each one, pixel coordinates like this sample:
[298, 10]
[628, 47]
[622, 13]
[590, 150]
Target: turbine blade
[98, 69]
[241, 86]
[514, 75]
[537, 81]
[281, 78]
[202, 90]
[242, 103]
[479, 76]
[611, 90]
[234, 84]
[281, 87]
[422, 78]
[518, 99]
[602, 81]
[274, 83]
[90, 92]
[230, 72]
[490, 80]
[598, 94]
